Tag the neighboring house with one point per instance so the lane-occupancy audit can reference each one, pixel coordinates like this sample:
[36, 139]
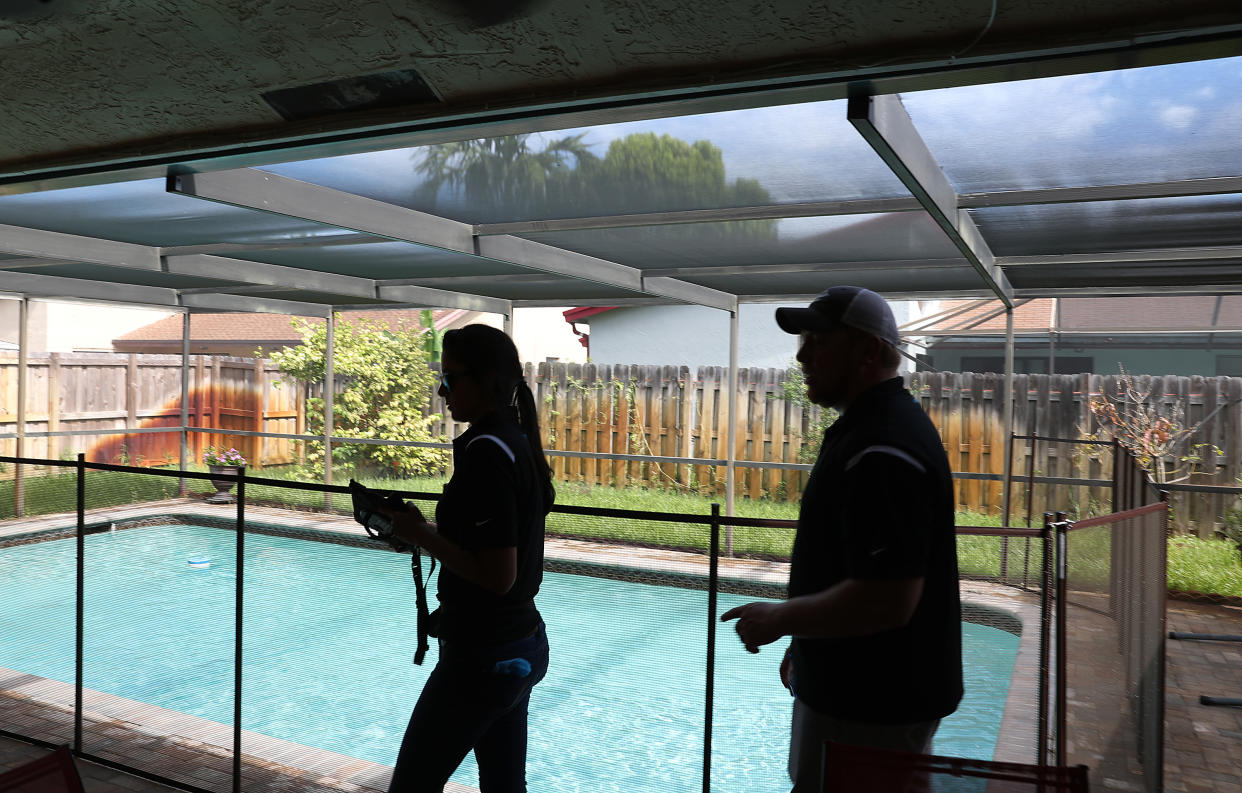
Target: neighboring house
[247, 335]
[692, 335]
[1177, 335]
[71, 327]
[699, 336]
[539, 333]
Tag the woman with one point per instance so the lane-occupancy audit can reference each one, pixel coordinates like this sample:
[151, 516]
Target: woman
[488, 536]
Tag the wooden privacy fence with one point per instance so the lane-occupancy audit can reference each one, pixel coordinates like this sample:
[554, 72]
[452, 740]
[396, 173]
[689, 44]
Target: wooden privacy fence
[105, 391]
[661, 411]
[968, 410]
[668, 411]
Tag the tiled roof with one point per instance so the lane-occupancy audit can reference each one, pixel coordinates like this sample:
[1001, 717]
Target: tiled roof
[1095, 313]
[984, 315]
[274, 327]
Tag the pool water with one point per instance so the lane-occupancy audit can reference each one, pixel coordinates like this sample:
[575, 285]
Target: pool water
[329, 636]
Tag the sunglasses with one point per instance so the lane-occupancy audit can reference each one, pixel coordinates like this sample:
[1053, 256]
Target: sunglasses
[447, 378]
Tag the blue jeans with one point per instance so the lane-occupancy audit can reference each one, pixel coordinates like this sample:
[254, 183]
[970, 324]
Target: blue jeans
[466, 704]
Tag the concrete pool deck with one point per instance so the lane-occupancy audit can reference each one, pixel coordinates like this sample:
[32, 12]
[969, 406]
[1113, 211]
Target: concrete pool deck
[1203, 744]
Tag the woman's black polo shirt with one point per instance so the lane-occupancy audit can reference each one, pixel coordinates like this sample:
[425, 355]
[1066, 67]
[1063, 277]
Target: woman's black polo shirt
[879, 504]
[495, 498]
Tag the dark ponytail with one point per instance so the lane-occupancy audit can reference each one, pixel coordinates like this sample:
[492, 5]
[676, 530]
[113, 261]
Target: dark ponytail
[528, 420]
[492, 359]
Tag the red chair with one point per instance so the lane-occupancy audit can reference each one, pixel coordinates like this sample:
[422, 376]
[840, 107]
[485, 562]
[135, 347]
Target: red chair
[864, 769]
[52, 773]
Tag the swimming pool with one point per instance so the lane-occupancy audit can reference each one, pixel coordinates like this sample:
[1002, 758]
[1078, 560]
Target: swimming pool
[329, 638]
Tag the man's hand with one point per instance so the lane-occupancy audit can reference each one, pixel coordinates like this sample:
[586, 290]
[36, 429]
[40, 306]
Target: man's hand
[756, 624]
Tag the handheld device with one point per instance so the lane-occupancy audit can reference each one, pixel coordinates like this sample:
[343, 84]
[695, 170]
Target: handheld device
[367, 503]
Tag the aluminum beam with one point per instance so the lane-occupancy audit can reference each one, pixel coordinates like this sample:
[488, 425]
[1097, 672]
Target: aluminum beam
[267, 192]
[318, 241]
[1126, 290]
[21, 241]
[885, 125]
[690, 293]
[18, 264]
[33, 285]
[863, 206]
[1218, 185]
[1171, 255]
[262, 305]
[248, 272]
[550, 259]
[759, 269]
[441, 298]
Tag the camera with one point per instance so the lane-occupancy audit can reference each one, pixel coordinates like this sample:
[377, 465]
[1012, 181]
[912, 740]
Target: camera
[367, 504]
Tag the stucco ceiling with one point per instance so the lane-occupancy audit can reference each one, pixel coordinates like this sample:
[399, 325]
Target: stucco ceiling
[92, 82]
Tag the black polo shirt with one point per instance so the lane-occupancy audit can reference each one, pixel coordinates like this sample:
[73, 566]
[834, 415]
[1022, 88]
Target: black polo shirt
[495, 499]
[879, 504]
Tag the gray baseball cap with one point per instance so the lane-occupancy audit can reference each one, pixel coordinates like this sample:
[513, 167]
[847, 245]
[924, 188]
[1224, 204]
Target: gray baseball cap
[854, 306]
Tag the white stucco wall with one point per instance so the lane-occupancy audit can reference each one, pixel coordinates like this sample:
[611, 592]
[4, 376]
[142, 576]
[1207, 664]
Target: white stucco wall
[541, 333]
[695, 336]
[70, 327]
[92, 327]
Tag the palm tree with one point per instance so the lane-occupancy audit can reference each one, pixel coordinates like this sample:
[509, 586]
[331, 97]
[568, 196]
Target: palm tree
[502, 173]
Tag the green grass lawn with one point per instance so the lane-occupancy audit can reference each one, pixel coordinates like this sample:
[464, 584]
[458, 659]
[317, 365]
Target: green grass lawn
[1194, 565]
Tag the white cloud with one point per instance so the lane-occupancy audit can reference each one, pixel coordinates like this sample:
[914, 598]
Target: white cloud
[1178, 116]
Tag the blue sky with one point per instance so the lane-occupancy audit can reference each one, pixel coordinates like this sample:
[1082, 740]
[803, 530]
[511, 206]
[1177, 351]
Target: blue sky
[1148, 124]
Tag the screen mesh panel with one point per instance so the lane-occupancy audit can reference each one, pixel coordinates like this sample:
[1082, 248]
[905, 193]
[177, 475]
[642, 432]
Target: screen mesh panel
[328, 635]
[1114, 648]
[158, 644]
[37, 624]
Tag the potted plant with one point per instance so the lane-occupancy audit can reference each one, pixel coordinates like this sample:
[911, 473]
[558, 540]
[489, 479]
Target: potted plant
[221, 461]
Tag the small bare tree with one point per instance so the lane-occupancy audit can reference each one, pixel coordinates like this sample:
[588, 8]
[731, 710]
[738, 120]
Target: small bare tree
[1157, 435]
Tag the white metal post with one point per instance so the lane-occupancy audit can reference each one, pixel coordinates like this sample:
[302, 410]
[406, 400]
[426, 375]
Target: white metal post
[185, 397]
[731, 432]
[329, 389]
[1007, 420]
[23, 355]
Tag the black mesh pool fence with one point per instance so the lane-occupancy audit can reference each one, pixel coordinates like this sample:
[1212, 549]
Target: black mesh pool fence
[204, 632]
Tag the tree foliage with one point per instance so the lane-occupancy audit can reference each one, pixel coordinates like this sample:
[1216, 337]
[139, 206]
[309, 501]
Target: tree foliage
[793, 390]
[642, 172]
[383, 389]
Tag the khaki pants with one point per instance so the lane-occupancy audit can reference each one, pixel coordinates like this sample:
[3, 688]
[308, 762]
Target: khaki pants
[811, 729]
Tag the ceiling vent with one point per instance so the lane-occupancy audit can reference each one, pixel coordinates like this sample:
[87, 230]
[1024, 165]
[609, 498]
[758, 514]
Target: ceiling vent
[369, 92]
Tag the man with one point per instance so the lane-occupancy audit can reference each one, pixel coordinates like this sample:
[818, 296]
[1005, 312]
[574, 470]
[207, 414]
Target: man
[873, 603]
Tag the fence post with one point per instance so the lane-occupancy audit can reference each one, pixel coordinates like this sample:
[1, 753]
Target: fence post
[713, 583]
[260, 400]
[54, 444]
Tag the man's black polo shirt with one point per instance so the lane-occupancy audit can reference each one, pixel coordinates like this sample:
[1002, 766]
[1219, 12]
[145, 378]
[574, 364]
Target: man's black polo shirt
[879, 504]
